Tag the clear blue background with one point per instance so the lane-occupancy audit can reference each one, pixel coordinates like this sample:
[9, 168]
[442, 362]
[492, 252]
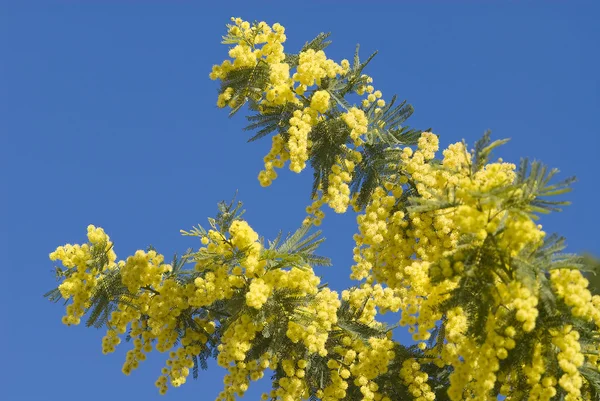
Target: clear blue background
[107, 117]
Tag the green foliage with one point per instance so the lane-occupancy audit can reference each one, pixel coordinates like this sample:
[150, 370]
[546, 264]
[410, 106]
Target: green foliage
[227, 213]
[248, 84]
[339, 88]
[318, 43]
[386, 127]
[349, 324]
[485, 262]
[378, 162]
[105, 298]
[331, 136]
[534, 180]
[271, 119]
[592, 264]
[483, 150]
[297, 250]
[592, 376]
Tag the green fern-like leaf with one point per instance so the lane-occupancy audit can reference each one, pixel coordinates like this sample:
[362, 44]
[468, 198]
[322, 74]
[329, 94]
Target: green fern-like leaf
[329, 138]
[372, 170]
[318, 43]
[384, 126]
[534, 181]
[247, 83]
[483, 150]
[271, 119]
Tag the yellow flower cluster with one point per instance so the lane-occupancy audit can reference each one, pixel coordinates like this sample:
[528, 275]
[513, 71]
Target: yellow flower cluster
[246, 53]
[323, 311]
[314, 211]
[406, 250]
[255, 45]
[365, 87]
[314, 66]
[216, 284]
[280, 91]
[456, 327]
[259, 44]
[359, 360]
[370, 298]
[110, 341]
[411, 255]
[476, 366]
[571, 286]
[237, 381]
[181, 361]
[373, 97]
[569, 359]
[416, 381]
[519, 297]
[336, 390]
[427, 307]
[300, 125]
[337, 196]
[338, 191]
[224, 97]
[83, 272]
[258, 293]
[292, 387]
[276, 158]
[141, 345]
[242, 235]
[246, 239]
[236, 341]
[142, 270]
[154, 300]
[542, 386]
[367, 388]
[320, 101]
[213, 286]
[357, 121]
[373, 360]
[166, 306]
[519, 232]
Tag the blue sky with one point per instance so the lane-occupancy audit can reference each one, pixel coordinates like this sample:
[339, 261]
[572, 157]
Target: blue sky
[107, 117]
